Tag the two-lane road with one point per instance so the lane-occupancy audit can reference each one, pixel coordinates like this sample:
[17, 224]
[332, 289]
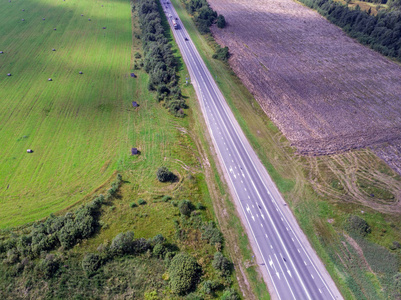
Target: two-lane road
[292, 269]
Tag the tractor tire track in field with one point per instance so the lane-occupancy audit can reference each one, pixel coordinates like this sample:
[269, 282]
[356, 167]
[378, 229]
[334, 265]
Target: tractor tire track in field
[326, 92]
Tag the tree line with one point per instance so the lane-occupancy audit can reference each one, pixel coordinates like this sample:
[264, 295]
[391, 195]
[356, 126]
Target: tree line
[204, 15]
[159, 61]
[381, 32]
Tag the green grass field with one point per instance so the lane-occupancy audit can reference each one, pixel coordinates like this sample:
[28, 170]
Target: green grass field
[77, 124]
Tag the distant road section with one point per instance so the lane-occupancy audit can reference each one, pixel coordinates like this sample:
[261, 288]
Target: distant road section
[293, 268]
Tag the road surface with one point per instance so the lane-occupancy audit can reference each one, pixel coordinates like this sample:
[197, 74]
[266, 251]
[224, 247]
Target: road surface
[294, 269]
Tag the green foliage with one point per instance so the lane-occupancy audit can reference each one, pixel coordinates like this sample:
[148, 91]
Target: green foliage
[158, 239]
[163, 174]
[151, 296]
[57, 231]
[184, 273]
[185, 207]
[166, 198]
[123, 243]
[230, 294]
[90, 263]
[222, 264]
[221, 21]
[141, 202]
[200, 206]
[159, 250]
[193, 296]
[221, 54]
[48, 266]
[133, 204]
[209, 286]
[358, 226]
[159, 61]
[211, 233]
[137, 55]
[204, 16]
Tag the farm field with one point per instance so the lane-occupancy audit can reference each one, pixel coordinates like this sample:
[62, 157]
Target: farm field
[325, 91]
[322, 191]
[76, 124]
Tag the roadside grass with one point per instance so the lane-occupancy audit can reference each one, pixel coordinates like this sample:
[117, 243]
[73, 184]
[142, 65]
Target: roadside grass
[76, 124]
[321, 191]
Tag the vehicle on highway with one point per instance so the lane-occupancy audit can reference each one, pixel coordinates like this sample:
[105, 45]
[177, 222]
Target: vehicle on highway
[175, 24]
[186, 38]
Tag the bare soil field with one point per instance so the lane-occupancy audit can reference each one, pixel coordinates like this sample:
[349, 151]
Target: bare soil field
[325, 91]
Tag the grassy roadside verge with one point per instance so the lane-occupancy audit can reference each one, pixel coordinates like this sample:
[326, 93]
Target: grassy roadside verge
[310, 184]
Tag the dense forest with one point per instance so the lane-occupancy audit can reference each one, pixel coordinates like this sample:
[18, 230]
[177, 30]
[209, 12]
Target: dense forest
[381, 32]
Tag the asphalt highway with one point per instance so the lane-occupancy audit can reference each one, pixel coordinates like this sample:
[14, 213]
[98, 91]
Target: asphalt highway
[286, 255]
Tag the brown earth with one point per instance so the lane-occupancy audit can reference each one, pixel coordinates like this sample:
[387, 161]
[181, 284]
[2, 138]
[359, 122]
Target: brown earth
[326, 92]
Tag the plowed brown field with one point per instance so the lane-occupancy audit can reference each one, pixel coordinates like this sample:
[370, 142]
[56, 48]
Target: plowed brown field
[325, 91]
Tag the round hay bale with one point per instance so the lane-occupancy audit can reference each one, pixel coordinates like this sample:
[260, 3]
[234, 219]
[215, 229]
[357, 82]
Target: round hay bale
[8, 74]
[55, 29]
[49, 79]
[29, 151]
[23, 10]
[23, 19]
[104, 27]
[80, 72]
[53, 49]
[43, 19]
[102, 5]
[89, 19]
[1, 52]
[82, 15]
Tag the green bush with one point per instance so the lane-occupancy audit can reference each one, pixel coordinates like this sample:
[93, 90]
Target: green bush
[151, 295]
[159, 250]
[221, 264]
[133, 204]
[141, 202]
[221, 21]
[137, 55]
[166, 198]
[193, 296]
[48, 266]
[185, 207]
[91, 263]
[164, 175]
[221, 54]
[208, 286]
[158, 239]
[123, 243]
[230, 294]
[200, 206]
[211, 233]
[357, 225]
[184, 273]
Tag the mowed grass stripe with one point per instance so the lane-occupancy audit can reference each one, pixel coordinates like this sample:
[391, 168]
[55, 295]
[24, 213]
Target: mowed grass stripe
[76, 124]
